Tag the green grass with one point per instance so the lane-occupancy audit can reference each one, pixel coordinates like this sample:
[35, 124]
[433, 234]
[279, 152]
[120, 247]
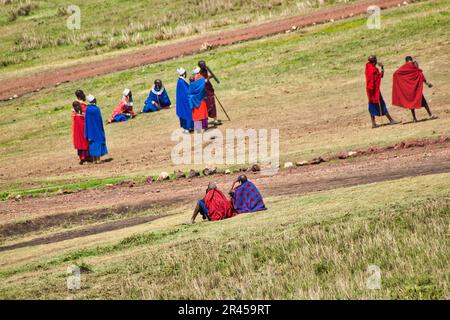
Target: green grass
[49, 188]
[318, 72]
[116, 25]
[315, 246]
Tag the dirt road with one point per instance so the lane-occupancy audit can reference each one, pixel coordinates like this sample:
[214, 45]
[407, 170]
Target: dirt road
[26, 84]
[100, 205]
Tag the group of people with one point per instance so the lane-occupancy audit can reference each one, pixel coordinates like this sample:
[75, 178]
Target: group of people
[407, 90]
[195, 104]
[195, 100]
[88, 133]
[244, 198]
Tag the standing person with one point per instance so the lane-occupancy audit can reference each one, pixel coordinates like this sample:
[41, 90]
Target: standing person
[184, 112]
[124, 109]
[210, 95]
[81, 98]
[94, 131]
[377, 106]
[197, 101]
[79, 140]
[407, 88]
[157, 98]
[214, 206]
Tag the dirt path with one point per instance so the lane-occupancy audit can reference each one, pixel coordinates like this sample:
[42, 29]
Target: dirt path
[27, 84]
[94, 205]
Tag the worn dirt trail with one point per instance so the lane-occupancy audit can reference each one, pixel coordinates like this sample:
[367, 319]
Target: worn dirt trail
[26, 84]
[99, 205]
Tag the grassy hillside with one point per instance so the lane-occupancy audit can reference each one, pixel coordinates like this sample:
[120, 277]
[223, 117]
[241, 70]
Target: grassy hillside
[309, 83]
[315, 246]
[109, 26]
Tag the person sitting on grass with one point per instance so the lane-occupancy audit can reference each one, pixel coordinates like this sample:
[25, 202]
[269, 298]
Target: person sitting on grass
[124, 109]
[80, 142]
[214, 206]
[157, 99]
[246, 196]
[94, 130]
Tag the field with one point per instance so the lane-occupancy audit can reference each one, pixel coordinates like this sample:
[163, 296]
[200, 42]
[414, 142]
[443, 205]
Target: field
[326, 224]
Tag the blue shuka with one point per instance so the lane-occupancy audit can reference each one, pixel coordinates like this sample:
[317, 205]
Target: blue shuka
[184, 112]
[156, 96]
[94, 131]
[247, 198]
[196, 93]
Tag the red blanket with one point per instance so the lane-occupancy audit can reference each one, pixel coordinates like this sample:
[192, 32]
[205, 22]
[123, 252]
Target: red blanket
[407, 86]
[121, 108]
[218, 205]
[79, 141]
[373, 83]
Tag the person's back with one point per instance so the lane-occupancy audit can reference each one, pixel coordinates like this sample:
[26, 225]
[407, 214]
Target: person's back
[246, 197]
[94, 130]
[214, 206]
[218, 205]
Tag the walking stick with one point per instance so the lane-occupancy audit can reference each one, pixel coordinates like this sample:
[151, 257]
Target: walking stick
[222, 107]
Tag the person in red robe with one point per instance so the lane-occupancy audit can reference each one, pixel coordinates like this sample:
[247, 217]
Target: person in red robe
[214, 206]
[377, 105]
[407, 88]
[80, 143]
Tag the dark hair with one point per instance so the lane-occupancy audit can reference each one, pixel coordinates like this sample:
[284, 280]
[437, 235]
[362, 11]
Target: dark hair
[80, 95]
[242, 178]
[158, 80]
[77, 107]
[408, 59]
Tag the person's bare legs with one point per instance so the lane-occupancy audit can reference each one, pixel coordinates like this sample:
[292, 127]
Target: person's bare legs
[430, 115]
[374, 124]
[391, 120]
[414, 115]
[196, 212]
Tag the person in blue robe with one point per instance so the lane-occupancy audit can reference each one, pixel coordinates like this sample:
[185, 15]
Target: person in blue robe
[157, 98]
[246, 197]
[94, 130]
[184, 111]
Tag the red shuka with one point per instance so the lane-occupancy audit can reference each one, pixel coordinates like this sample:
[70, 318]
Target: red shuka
[121, 108]
[218, 205]
[78, 138]
[407, 86]
[373, 83]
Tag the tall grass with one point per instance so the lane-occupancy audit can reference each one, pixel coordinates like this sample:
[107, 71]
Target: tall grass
[313, 247]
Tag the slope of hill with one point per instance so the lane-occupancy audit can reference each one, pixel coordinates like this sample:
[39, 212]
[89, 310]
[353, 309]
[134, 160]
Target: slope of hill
[327, 225]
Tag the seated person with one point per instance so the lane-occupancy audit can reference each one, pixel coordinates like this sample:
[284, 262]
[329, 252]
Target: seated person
[214, 206]
[246, 196]
[157, 99]
[124, 109]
